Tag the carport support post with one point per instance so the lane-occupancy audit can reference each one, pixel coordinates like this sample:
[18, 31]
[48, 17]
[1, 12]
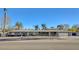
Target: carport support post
[27, 33]
[49, 35]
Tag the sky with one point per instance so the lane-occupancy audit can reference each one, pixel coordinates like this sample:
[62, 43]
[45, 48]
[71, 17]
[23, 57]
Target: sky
[37, 16]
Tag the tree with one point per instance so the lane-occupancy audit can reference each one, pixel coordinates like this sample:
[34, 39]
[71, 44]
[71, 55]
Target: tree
[66, 26]
[18, 25]
[52, 28]
[43, 26]
[73, 28]
[63, 27]
[60, 27]
[36, 27]
[76, 26]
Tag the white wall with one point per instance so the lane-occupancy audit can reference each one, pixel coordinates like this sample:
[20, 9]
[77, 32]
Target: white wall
[62, 34]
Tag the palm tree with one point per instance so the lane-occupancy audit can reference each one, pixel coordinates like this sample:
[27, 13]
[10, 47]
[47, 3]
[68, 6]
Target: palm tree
[18, 25]
[36, 27]
[43, 26]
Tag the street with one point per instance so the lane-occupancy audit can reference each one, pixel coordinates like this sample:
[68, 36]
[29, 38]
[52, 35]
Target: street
[40, 45]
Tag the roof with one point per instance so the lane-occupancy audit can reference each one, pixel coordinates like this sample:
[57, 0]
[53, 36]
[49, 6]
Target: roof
[38, 31]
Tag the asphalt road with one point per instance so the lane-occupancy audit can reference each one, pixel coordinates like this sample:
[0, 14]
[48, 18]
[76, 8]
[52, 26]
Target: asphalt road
[40, 45]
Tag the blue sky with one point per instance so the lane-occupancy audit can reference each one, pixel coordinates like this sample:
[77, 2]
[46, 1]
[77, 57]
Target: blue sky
[37, 16]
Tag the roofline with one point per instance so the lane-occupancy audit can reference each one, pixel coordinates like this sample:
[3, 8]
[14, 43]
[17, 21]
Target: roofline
[39, 31]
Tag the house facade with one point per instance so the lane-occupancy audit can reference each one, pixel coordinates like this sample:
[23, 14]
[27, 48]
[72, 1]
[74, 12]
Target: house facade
[14, 33]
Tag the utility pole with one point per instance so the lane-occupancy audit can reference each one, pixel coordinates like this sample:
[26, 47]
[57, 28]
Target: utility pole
[5, 19]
